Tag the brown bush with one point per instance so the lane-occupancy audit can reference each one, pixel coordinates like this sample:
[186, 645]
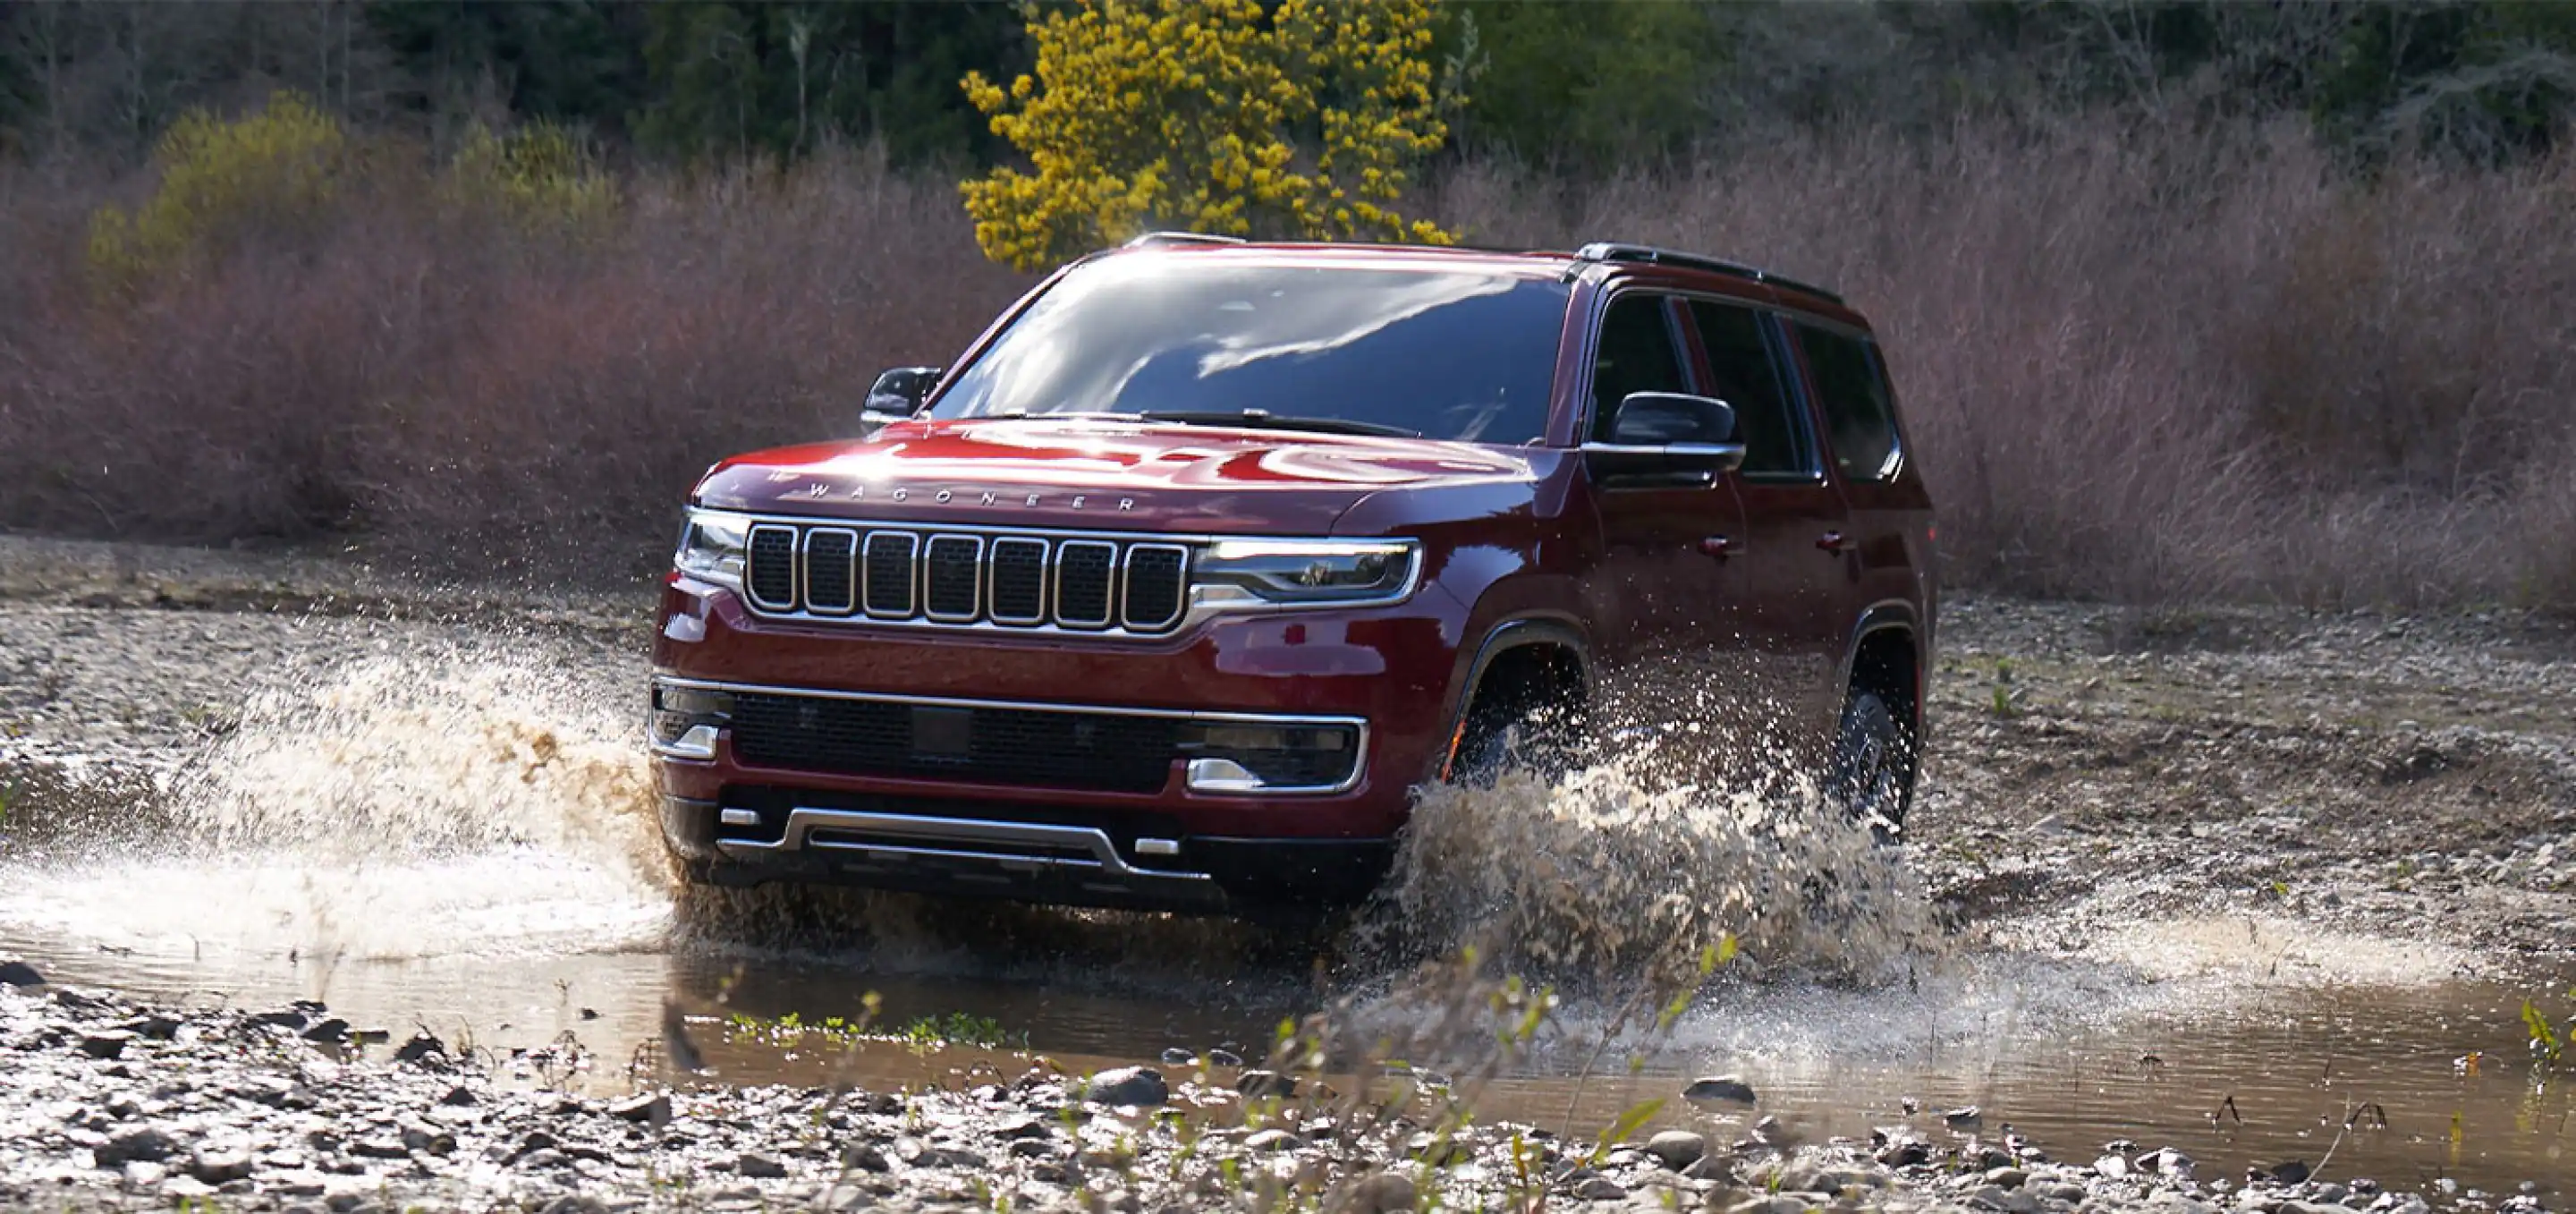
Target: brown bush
[2146, 365]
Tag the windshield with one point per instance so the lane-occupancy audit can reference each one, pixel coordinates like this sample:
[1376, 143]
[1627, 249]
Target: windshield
[1449, 354]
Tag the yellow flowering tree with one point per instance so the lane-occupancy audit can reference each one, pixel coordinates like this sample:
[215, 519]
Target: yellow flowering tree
[1189, 114]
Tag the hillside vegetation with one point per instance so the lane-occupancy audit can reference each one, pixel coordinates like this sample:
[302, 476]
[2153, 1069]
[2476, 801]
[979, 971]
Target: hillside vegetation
[2186, 300]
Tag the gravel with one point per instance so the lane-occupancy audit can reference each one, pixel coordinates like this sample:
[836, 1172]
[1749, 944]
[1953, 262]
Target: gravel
[237, 1106]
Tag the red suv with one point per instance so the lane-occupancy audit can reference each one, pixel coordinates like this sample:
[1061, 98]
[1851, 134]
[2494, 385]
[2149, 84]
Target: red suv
[1206, 555]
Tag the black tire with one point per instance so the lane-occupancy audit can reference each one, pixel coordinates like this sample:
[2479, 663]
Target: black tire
[1872, 777]
[1516, 727]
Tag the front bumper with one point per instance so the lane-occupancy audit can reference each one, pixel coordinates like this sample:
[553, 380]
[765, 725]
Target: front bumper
[1175, 841]
[1034, 862]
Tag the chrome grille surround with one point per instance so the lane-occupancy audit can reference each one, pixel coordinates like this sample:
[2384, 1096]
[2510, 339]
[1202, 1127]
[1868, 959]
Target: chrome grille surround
[909, 573]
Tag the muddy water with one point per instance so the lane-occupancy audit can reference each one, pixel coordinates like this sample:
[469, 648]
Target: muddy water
[463, 847]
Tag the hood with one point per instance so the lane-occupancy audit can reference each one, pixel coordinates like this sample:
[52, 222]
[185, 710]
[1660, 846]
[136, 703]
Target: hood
[1100, 474]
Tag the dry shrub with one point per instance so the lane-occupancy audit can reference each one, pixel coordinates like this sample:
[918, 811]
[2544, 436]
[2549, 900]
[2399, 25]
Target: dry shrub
[2140, 364]
[452, 384]
[2157, 366]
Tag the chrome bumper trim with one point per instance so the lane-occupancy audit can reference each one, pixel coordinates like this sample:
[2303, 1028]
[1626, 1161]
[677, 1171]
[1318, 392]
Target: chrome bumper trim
[960, 835]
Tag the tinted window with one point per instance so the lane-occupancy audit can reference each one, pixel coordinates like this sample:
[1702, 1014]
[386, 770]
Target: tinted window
[1859, 418]
[1744, 374]
[1450, 354]
[1636, 354]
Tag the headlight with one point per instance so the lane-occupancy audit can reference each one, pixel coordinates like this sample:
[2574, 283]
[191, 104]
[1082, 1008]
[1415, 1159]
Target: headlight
[1305, 571]
[711, 547]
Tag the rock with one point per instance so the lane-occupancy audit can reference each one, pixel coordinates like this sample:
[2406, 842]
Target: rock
[2014, 1201]
[652, 1108]
[1176, 1056]
[1224, 1057]
[420, 1048]
[1383, 1193]
[285, 1018]
[219, 1167]
[1273, 1140]
[1769, 1205]
[865, 1158]
[1965, 1117]
[1600, 1188]
[1719, 1088]
[2288, 1171]
[145, 1145]
[1035, 1148]
[2169, 1162]
[158, 1028]
[428, 1141]
[380, 1148]
[1718, 1168]
[105, 1043]
[2111, 1166]
[2061, 1193]
[2008, 1178]
[1136, 1086]
[759, 1167]
[1905, 1154]
[459, 1097]
[1677, 1149]
[19, 973]
[1258, 1084]
[327, 1031]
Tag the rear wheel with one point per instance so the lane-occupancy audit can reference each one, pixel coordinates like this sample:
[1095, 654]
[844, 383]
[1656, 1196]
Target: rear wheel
[1872, 776]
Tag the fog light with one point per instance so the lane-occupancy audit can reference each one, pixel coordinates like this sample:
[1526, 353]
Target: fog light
[1261, 757]
[685, 721]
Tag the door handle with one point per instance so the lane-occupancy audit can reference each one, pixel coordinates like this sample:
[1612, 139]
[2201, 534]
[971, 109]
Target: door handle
[1719, 546]
[1836, 543]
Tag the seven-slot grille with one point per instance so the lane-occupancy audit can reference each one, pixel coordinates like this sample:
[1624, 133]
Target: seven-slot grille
[946, 577]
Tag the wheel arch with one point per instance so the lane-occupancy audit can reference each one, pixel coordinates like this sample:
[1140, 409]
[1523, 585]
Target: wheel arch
[1886, 654]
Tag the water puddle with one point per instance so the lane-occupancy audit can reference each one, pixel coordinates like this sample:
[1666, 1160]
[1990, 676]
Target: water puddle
[463, 846]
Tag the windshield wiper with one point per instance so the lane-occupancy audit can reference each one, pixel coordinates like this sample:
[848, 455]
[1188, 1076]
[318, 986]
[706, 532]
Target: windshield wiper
[1263, 419]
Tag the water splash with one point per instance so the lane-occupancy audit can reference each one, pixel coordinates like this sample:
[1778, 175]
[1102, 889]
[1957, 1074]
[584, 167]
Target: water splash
[1634, 869]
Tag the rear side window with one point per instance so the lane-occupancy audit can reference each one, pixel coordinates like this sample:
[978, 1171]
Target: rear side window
[1636, 354]
[1744, 374]
[1860, 419]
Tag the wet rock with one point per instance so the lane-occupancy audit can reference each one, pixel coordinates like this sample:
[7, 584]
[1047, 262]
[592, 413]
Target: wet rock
[1769, 1205]
[284, 1018]
[1224, 1057]
[2013, 1201]
[106, 1043]
[1273, 1140]
[1719, 1088]
[1036, 1148]
[219, 1167]
[1256, 1085]
[1677, 1149]
[2288, 1171]
[652, 1108]
[19, 973]
[144, 1146]
[421, 1048]
[759, 1167]
[428, 1141]
[2169, 1162]
[2060, 1192]
[459, 1097]
[1176, 1056]
[1965, 1117]
[1904, 1154]
[2008, 1178]
[575, 1203]
[1137, 1086]
[2111, 1166]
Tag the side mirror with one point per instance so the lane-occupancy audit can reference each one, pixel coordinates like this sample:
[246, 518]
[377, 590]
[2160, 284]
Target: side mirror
[1666, 440]
[899, 393]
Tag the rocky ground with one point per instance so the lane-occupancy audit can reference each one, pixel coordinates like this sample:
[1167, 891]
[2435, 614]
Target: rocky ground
[118, 1104]
[2412, 778]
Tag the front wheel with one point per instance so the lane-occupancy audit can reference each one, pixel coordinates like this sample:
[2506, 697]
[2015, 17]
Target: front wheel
[1872, 776]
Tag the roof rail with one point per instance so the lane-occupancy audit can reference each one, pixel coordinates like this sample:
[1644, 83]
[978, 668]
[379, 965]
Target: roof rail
[1604, 250]
[1155, 238]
